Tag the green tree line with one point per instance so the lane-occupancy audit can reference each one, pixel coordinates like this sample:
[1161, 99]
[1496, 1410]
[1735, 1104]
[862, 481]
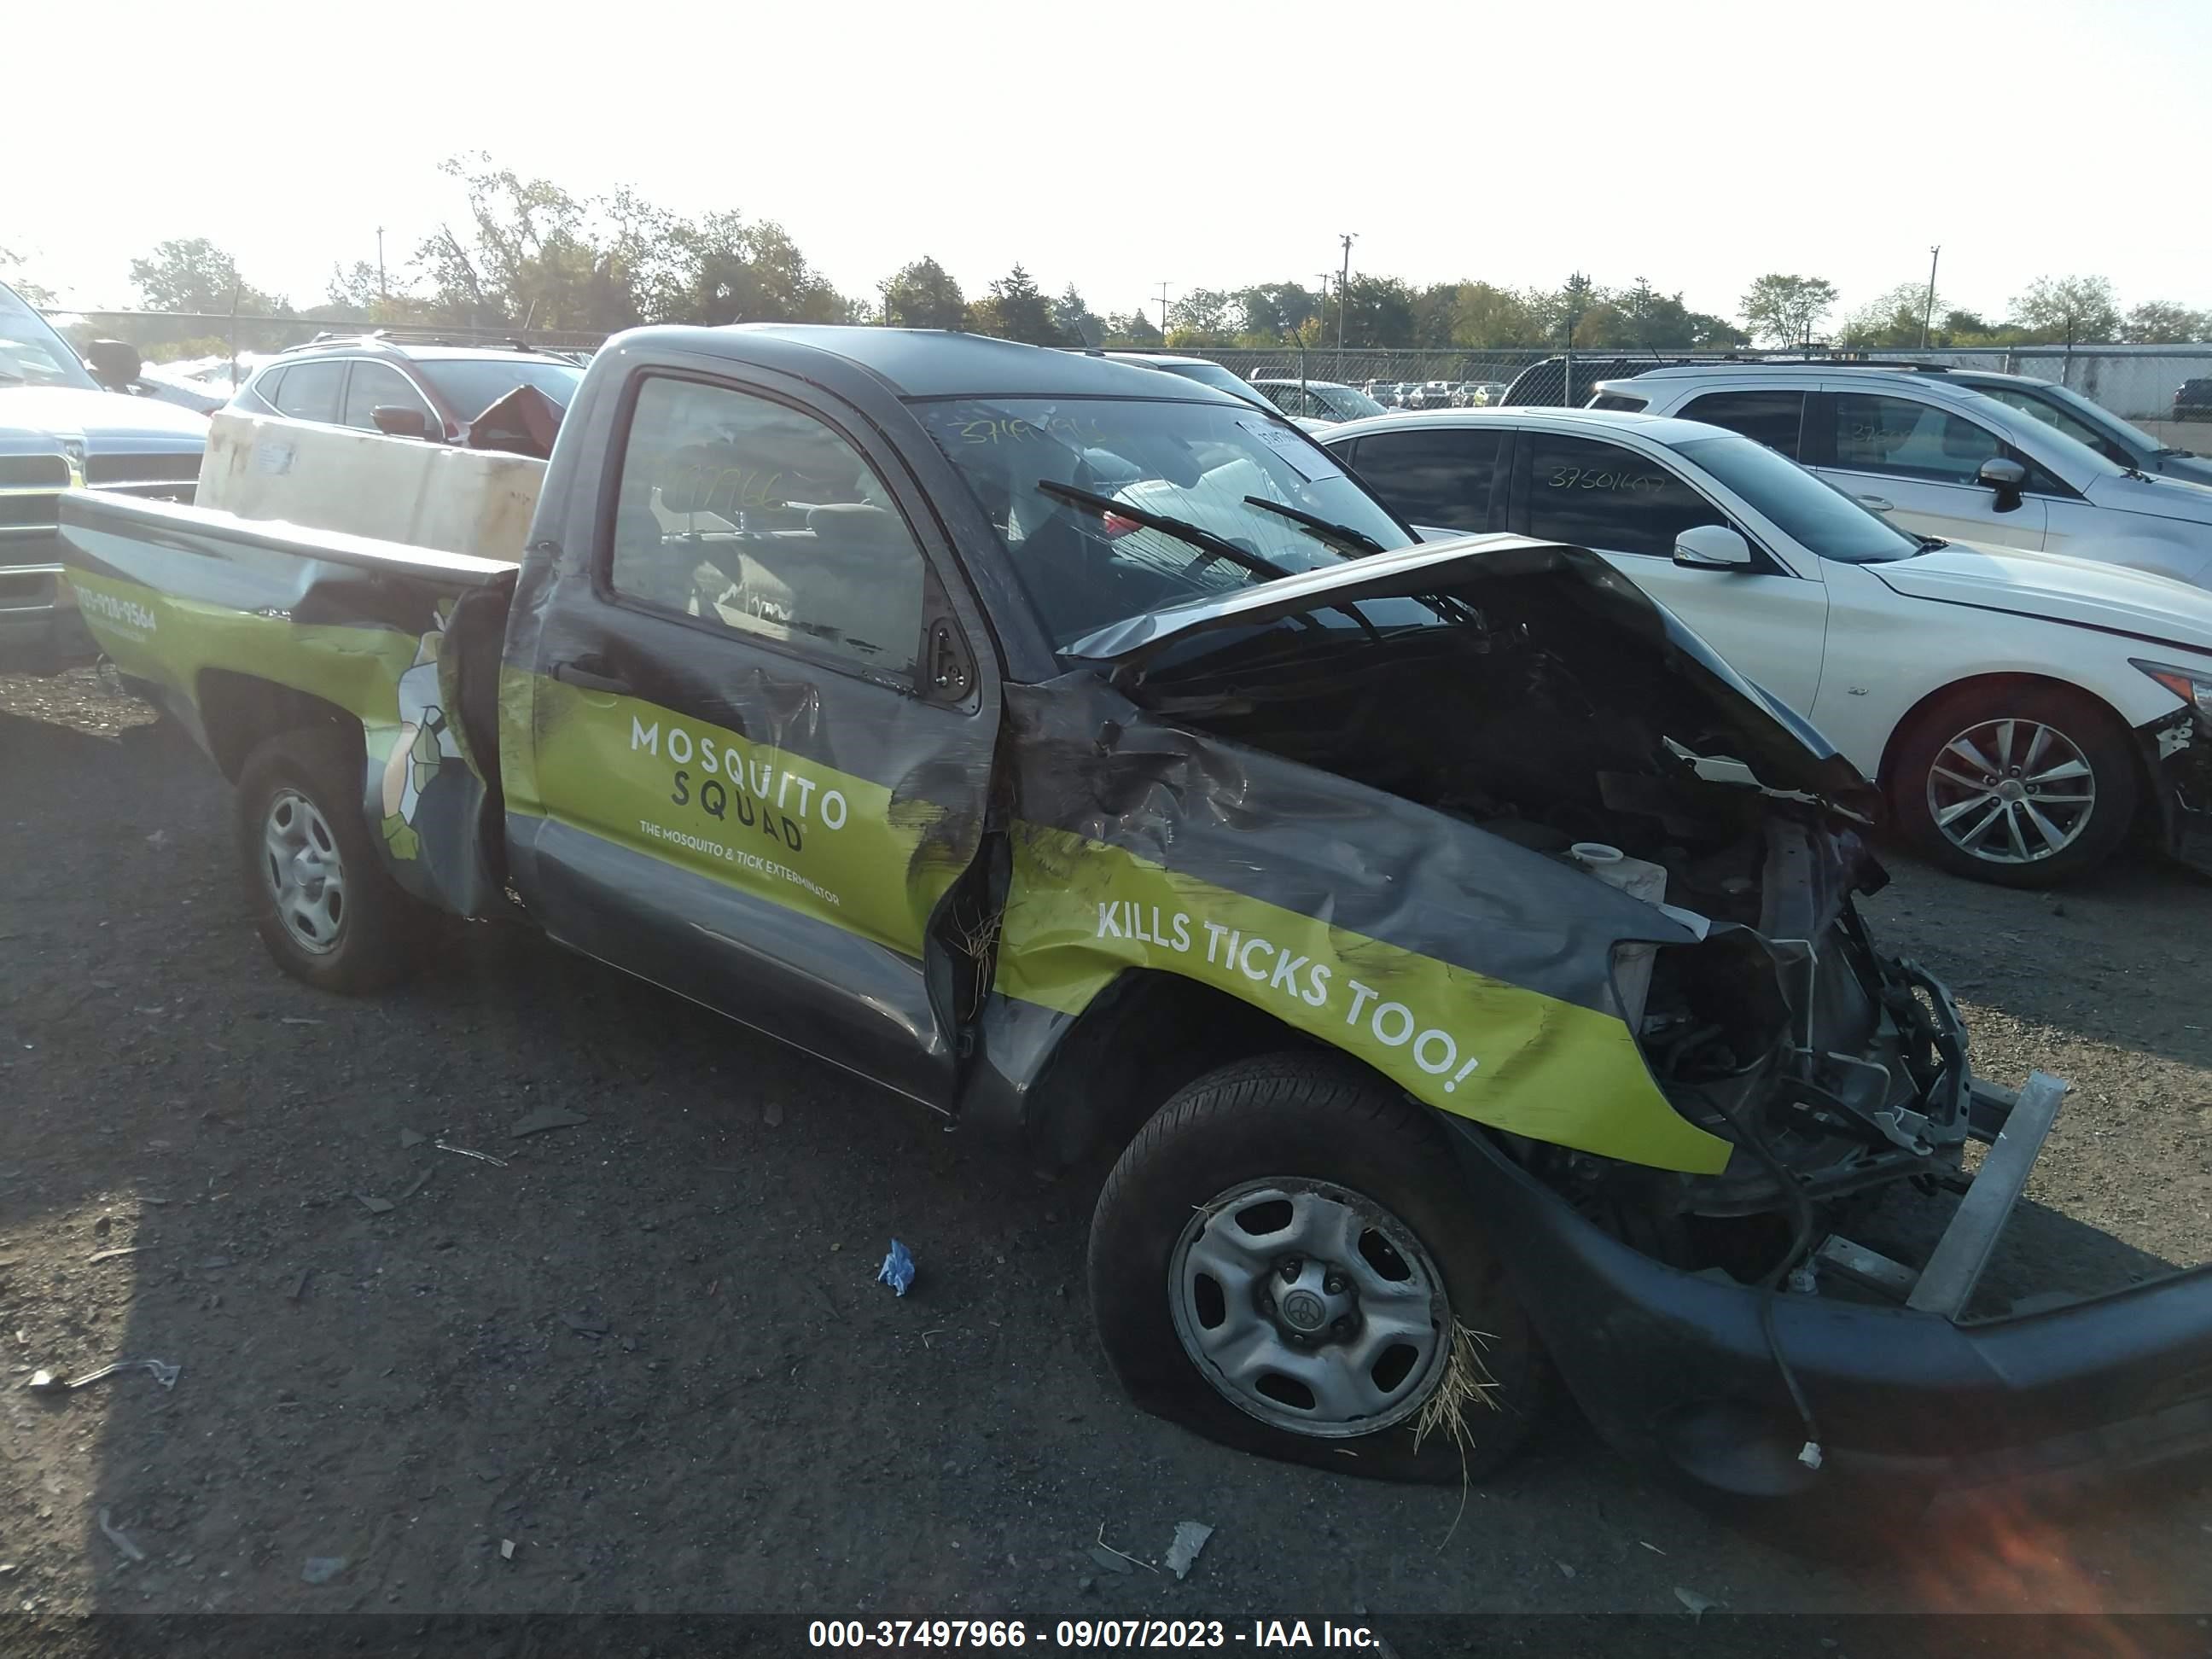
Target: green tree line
[528, 254]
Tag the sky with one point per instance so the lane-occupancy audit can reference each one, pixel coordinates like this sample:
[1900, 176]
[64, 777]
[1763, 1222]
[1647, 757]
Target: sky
[1213, 143]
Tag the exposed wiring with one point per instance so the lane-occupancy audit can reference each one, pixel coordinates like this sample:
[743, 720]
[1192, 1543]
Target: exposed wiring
[1769, 1285]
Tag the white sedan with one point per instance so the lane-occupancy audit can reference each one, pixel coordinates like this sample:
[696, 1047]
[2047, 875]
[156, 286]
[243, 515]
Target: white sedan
[2023, 711]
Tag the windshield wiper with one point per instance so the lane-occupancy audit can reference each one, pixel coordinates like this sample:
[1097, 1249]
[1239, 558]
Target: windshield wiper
[1335, 534]
[1930, 545]
[1213, 546]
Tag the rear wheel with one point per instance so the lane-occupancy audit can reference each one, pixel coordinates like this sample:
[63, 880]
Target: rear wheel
[1285, 1261]
[2024, 785]
[323, 903]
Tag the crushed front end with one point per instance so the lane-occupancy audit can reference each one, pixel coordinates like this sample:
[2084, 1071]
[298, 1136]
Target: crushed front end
[1736, 1330]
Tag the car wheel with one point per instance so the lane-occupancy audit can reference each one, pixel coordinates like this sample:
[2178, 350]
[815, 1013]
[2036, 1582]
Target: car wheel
[2025, 785]
[1285, 1261]
[323, 903]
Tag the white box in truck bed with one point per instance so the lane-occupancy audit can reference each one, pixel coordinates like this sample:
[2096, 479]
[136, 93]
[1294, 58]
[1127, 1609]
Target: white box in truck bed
[364, 483]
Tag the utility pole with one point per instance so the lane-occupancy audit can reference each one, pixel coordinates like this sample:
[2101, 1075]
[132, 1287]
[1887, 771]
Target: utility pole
[1164, 308]
[382, 292]
[1321, 325]
[1343, 292]
[1928, 312]
[1576, 283]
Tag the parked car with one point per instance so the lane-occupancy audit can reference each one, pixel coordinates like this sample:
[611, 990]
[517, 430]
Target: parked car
[1324, 401]
[1477, 394]
[2192, 400]
[1430, 394]
[1548, 380]
[202, 384]
[1942, 459]
[64, 422]
[1097, 765]
[2086, 422]
[1204, 370]
[402, 385]
[2022, 749]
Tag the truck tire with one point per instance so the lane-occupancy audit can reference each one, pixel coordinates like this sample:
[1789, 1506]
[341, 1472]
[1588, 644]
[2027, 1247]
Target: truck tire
[1285, 1261]
[2019, 785]
[322, 900]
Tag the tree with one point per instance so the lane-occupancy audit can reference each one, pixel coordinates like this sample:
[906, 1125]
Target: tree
[1205, 316]
[1785, 308]
[1078, 324]
[923, 294]
[1486, 315]
[731, 270]
[2160, 322]
[1378, 310]
[193, 274]
[1273, 313]
[34, 293]
[2070, 309]
[1016, 309]
[1894, 321]
[1134, 328]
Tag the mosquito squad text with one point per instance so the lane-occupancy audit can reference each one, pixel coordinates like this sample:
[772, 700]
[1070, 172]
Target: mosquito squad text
[731, 788]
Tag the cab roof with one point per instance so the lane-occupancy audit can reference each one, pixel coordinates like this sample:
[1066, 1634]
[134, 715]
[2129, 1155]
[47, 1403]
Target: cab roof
[929, 362]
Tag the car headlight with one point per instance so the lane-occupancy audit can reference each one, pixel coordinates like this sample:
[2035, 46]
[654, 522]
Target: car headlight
[2193, 688]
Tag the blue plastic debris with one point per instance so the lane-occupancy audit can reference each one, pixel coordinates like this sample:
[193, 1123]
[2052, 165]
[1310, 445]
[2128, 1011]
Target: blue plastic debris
[897, 1270]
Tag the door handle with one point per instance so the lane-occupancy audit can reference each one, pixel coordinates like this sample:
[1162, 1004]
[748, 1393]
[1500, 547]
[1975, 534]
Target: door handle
[589, 678]
[1879, 503]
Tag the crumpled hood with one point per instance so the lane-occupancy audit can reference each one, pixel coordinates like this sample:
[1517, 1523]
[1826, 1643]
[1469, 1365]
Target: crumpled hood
[2057, 587]
[1784, 752]
[107, 420]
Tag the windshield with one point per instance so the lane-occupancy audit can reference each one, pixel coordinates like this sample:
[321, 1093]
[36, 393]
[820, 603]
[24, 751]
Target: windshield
[1347, 402]
[31, 353]
[2077, 417]
[1813, 513]
[472, 385]
[1196, 463]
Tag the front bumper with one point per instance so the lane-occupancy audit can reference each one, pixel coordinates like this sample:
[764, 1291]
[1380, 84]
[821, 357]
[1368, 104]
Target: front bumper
[1675, 1371]
[2179, 752]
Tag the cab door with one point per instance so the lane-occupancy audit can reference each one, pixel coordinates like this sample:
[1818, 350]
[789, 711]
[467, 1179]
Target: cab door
[1770, 624]
[759, 745]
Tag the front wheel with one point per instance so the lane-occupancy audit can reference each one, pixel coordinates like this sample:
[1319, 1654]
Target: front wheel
[323, 903]
[1285, 1262]
[2024, 785]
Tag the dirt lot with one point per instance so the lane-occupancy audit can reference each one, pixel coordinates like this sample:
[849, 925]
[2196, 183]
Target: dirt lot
[647, 1349]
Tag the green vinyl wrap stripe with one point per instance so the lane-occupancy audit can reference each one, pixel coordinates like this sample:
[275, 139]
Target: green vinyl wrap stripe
[843, 849]
[1081, 911]
[153, 636]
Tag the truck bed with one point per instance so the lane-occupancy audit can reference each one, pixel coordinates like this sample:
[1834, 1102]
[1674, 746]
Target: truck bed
[239, 627]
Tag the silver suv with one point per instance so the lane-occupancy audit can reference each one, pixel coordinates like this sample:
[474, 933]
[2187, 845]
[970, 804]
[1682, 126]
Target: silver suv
[1942, 458]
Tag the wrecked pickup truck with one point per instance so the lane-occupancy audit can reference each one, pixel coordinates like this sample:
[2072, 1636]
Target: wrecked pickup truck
[1461, 958]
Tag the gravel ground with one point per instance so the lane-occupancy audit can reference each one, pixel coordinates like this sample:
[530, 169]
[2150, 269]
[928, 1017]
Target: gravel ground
[645, 1349]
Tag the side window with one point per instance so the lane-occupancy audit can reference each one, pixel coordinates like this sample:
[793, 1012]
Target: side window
[740, 511]
[376, 385]
[269, 384]
[1876, 434]
[1606, 498]
[1445, 477]
[310, 390]
[1774, 418]
[2063, 419]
